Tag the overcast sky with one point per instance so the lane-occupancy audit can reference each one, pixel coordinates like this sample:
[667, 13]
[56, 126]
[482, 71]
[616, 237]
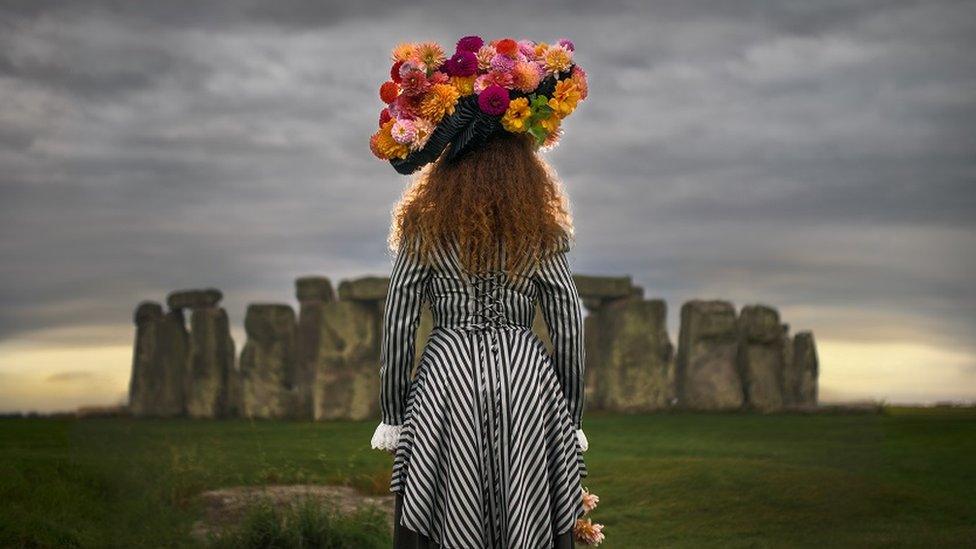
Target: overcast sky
[814, 156]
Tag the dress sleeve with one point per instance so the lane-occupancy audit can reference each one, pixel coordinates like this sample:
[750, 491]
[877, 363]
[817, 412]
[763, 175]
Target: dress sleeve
[563, 312]
[401, 316]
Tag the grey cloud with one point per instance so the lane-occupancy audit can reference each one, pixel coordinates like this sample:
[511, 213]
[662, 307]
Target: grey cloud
[816, 156]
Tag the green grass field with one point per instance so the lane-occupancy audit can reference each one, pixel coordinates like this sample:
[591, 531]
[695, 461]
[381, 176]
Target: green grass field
[906, 478]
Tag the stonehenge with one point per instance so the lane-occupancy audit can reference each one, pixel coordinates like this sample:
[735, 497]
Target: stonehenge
[323, 362]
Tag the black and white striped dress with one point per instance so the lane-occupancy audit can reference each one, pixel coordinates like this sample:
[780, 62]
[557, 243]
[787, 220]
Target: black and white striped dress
[488, 436]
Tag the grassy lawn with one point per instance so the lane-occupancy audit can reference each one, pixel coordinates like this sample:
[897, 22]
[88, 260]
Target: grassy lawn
[906, 478]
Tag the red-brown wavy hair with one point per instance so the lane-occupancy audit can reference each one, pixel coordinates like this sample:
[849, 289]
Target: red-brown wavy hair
[502, 191]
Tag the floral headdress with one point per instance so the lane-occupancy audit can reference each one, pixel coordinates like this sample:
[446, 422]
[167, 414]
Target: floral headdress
[435, 102]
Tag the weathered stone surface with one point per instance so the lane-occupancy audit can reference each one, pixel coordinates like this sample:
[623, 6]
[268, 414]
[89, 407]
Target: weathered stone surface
[761, 357]
[367, 288]
[194, 299]
[209, 380]
[148, 311]
[635, 357]
[807, 366]
[706, 374]
[791, 377]
[347, 367]
[269, 363]
[310, 320]
[315, 289]
[158, 364]
[604, 287]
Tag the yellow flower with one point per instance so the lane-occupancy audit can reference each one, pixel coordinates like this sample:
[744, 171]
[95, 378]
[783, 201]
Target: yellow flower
[403, 51]
[439, 101]
[565, 97]
[517, 116]
[464, 84]
[384, 145]
[552, 123]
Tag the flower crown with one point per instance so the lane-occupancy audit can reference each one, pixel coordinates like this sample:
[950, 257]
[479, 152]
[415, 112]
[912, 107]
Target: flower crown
[505, 85]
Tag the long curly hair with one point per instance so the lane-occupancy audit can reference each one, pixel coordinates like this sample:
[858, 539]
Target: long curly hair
[502, 192]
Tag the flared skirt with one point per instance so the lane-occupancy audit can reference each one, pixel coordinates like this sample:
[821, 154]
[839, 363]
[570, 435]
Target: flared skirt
[488, 456]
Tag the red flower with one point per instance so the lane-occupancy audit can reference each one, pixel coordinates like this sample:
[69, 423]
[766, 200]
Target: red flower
[389, 91]
[395, 71]
[385, 116]
[507, 46]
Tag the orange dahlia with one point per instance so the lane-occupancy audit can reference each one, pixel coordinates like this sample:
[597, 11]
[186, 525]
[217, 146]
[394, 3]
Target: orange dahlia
[464, 84]
[557, 59]
[439, 101]
[565, 97]
[403, 51]
[384, 146]
[526, 76]
[430, 54]
[587, 532]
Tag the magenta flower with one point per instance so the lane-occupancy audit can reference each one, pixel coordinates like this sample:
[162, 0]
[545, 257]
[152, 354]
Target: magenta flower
[493, 100]
[463, 63]
[566, 43]
[470, 43]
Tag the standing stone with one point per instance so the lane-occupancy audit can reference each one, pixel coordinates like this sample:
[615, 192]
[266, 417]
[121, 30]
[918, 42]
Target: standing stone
[806, 364]
[313, 293]
[367, 288]
[347, 371]
[761, 357]
[269, 363]
[209, 383]
[159, 359]
[791, 377]
[706, 375]
[635, 356]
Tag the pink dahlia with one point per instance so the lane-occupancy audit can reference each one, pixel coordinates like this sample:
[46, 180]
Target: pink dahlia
[404, 132]
[470, 43]
[439, 78]
[590, 500]
[424, 129]
[493, 100]
[497, 78]
[579, 77]
[566, 43]
[502, 62]
[527, 48]
[414, 82]
[405, 107]
[408, 66]
[484, 57]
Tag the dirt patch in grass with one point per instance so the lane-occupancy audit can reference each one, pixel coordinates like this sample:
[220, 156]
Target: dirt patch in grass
[226, 507]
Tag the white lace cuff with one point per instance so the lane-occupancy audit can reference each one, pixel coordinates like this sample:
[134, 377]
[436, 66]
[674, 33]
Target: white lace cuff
[386, 436]
[581, 437]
